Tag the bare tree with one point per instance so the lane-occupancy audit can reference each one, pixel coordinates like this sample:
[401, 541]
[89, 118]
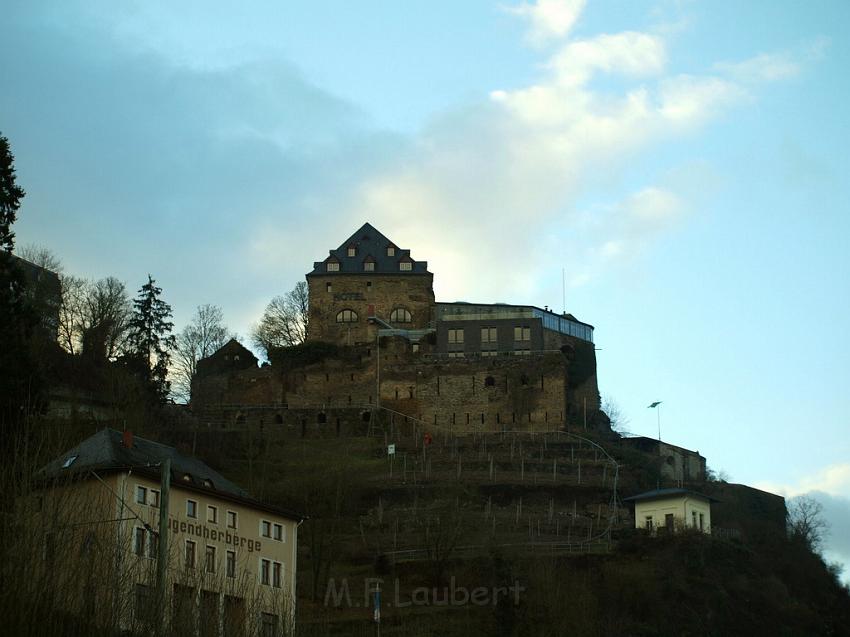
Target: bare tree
[94, 316]
[619, 421]
[41, 256]
[201, 337]
[285, 320]
[806, 523]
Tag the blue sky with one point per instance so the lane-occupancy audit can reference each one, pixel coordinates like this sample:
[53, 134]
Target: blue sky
[684, 163]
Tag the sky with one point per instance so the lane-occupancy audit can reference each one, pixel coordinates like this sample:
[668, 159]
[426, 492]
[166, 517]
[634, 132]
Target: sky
[673, 172]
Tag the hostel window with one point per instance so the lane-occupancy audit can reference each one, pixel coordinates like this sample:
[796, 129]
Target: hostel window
[190, 554]
[231, 519]
[191, 509]
[369, 266]
[154, 499]
[212, 514]
[352, 251]
[346, 316]
[456, 335]
[405, 266]
[332, 267]
[278, 532]
[390, 251]
[488, 334]
[400, 315]
[265, 528]
[209, 561]
[139, 541]
[265, 568]
[522, 333]
[230, 564]
[276, 568]
[141, 495]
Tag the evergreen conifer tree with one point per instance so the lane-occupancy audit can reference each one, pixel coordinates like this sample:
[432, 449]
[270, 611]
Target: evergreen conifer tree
[151, 339]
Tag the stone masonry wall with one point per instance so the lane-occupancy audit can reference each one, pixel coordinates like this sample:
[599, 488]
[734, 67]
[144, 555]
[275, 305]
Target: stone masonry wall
[364, 294]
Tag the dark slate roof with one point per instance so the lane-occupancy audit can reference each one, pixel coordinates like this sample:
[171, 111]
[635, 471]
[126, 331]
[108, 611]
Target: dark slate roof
[369, 243]
[105, 452]
[657, 494]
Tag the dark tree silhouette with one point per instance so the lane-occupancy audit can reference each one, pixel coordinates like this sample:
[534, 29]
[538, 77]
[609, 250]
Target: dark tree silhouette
[150, 338]
[19, 376]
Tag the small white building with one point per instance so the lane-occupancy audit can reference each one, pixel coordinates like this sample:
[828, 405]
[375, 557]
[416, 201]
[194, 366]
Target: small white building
[672, 510]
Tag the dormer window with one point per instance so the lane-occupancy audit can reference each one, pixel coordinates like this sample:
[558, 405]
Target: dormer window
[369, 266]
[405, 266]
[390, 250]
[332, 266]
[352, 251]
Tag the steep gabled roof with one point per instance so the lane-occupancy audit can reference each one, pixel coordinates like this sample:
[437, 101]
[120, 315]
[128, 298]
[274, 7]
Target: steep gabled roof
[104, 452]
[368, 241]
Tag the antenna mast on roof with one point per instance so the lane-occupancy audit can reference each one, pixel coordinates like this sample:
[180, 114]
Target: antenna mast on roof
[563, 291]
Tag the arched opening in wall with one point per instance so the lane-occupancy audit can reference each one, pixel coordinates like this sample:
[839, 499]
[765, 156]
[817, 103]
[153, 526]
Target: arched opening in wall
[489, 382]
[366, 416]
[400, 315]
[322, 418]
[278, 419]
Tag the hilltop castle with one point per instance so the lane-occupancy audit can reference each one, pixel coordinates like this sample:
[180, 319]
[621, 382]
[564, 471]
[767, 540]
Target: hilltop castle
[378, 342]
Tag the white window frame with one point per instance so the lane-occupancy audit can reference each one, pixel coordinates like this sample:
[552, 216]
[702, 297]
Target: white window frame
[405, 266]
[351, 251]
[489, 335]
[332, 266]
[263, 525]
[281, 536]
[390, 251]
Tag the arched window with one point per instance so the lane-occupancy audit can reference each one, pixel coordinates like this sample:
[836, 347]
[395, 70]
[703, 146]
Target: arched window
[346, 316]
[400, 315]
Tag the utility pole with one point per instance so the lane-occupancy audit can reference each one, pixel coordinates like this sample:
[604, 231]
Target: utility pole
[162, 557]
[657, 407]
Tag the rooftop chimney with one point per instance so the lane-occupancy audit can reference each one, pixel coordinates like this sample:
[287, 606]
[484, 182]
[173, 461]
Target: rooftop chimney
[127, 439]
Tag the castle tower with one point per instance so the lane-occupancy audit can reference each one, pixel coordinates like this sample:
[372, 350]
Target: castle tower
[368, 276]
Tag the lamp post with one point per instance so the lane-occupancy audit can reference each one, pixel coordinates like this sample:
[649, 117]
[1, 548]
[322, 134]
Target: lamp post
[657, 407]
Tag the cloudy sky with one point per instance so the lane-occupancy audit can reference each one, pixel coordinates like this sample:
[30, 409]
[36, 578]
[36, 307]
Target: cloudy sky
[682, 163]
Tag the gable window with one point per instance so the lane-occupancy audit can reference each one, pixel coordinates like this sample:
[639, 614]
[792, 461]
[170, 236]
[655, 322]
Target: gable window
[346, 316]
[405, 266]
[390, 251]
[456, 335]
[352, 251]
[400, 315]
[332, 266]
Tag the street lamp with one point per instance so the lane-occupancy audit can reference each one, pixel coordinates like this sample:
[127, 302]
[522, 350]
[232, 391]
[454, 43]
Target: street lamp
[657, 407]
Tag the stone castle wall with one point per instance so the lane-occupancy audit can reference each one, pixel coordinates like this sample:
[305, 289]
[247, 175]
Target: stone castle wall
[367, 295]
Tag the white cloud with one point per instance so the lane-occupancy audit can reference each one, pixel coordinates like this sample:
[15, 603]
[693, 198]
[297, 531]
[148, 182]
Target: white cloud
[549, 18]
